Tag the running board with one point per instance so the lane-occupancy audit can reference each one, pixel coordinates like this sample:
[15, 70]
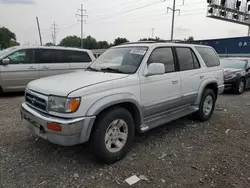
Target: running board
[157, 120]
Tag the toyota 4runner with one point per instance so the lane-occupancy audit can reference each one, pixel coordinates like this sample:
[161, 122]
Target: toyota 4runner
[130, 88]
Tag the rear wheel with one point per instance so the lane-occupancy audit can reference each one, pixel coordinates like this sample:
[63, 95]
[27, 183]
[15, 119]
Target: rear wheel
[240, 87]
[207, 105]
[113, 134]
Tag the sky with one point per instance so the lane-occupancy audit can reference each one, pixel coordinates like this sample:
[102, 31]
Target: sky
[109, 19]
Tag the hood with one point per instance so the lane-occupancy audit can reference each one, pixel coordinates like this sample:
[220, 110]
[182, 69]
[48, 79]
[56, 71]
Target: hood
[232, 70]
[64, 84]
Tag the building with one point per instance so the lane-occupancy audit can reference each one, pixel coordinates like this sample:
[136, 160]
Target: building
[226, 47]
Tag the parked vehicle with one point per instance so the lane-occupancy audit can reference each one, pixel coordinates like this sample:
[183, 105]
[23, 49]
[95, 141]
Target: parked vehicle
[236, 74]
[20, 65]
[130, 88]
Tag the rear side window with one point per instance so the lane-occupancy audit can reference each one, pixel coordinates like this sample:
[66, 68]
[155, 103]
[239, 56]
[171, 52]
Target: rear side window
[48, 56]
[209, 56]
[186, 58]
[76, 57]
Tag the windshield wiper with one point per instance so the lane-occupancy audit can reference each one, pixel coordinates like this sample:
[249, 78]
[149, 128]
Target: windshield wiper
[92, 69]
[112, 70]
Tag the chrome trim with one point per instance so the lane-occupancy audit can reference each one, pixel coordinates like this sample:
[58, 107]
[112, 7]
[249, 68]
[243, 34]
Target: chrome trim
[221, 89]
[69, 126]
[38, 95]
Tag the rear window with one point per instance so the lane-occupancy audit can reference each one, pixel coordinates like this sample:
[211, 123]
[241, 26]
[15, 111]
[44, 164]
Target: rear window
[76, 57]
[209, 56]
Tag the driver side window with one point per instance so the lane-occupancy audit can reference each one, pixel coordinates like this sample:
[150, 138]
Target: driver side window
[165, 56]
[21, 57]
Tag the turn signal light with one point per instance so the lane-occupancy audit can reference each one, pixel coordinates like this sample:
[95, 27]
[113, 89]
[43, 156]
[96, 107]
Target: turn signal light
[54, 127]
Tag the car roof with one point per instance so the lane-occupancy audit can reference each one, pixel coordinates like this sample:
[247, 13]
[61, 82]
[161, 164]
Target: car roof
[50, 47]
[157, 44]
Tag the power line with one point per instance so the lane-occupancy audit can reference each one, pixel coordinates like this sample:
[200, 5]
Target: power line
[123, 5]
[147, 20]
[130, 10]
[83, 17]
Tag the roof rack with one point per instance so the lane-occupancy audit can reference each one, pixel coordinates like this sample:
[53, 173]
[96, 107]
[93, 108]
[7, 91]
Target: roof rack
[139, 42]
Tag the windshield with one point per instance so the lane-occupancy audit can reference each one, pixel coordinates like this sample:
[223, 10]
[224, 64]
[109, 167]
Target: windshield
[120, 60]
[7, 51]
[235, 64]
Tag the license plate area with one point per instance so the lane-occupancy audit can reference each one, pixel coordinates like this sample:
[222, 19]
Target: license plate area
[38, 128]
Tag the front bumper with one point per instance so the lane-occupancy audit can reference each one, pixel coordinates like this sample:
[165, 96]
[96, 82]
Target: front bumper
[221, 89]
[230, 84]
[74, 131]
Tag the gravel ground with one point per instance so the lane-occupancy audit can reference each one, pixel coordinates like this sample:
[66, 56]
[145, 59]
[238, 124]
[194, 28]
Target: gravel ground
[184, 153]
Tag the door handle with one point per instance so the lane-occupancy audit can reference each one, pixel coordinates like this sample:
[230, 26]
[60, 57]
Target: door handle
[45, 67]
[175, 81]
[32, 68]
[202, 76]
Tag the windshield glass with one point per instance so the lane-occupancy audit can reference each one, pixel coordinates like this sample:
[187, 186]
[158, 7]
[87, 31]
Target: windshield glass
[7, 51]
[235, 64]
[120, 60]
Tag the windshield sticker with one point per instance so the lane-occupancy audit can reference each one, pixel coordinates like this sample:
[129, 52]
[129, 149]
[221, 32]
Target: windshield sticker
[138, 52]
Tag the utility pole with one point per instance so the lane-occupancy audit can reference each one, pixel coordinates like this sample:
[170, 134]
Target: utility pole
[39, 31]
[82, 16]
[173, 16]
[153, 30]
[54, 29]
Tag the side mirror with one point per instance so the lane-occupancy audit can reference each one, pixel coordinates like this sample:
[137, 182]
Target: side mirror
[155, 69]
[6, 61]
[247, 69]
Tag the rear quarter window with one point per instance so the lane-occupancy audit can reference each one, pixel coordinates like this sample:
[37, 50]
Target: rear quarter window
[209, 56]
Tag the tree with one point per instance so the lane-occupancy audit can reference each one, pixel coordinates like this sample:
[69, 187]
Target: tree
[71, 41]
[88, 43]
[49, 44]
[189, 39]
[7, 38]
[157, 39]
[120, 41]
[103, 44]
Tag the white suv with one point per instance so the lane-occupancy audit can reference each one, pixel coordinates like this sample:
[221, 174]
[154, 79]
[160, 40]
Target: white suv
[130, 88]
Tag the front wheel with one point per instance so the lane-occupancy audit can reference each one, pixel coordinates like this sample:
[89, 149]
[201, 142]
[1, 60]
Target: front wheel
[207, 105]
[240, 87]
[113, 134]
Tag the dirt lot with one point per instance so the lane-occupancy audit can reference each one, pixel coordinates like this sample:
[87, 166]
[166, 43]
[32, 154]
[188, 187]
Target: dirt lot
[184, 153]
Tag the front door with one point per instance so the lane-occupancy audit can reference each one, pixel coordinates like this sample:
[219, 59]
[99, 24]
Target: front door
[21, 70]
[161, 93]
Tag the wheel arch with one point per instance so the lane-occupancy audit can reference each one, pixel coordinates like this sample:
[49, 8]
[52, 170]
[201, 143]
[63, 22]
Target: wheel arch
[126, 101]
[211, 84]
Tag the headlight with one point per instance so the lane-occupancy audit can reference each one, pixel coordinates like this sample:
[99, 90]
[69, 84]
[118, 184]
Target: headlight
[229, 75]
[63, 105]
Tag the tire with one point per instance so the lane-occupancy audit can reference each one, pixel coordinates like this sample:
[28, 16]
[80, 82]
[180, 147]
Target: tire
[115, 117]
[208, 95]
[240, 87]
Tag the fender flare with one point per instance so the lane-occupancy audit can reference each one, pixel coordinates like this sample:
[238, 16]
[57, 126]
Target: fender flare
[203, 85]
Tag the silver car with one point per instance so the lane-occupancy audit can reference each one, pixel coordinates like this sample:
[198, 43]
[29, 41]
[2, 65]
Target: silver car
[20, 65]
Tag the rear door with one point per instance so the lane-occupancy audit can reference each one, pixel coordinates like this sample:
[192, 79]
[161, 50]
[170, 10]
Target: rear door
[212, 61]
[190, 73]
[21, 70]
[51, 62]
[77, 59]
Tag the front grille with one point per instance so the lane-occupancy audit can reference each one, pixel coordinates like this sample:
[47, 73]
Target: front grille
[36, 101]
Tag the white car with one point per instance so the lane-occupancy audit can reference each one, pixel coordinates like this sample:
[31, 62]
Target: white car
[21, 64]
[148, 84]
